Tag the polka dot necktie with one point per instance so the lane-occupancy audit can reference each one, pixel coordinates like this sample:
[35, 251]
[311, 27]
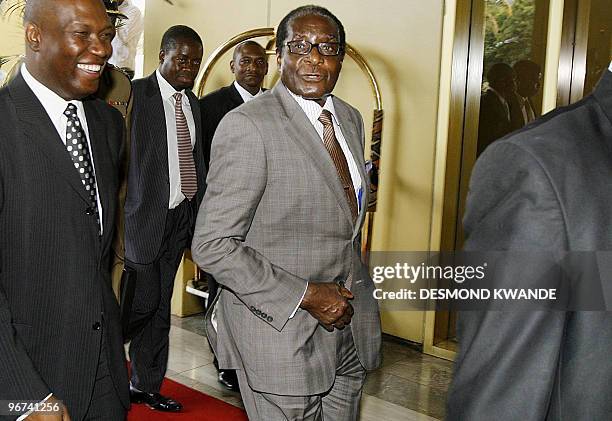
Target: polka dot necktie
[187, 169]
[76, 144]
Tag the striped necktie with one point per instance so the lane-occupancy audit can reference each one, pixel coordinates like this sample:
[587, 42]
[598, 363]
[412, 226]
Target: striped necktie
[337, 155]
[189, 180]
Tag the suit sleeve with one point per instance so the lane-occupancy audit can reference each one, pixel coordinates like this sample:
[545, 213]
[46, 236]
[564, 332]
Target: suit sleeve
[236, 183]
[507, 360]
[19, 378]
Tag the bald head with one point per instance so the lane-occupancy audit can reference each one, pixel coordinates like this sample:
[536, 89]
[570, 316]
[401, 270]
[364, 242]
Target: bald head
[249, 65]
[67, 44]
[252, 45]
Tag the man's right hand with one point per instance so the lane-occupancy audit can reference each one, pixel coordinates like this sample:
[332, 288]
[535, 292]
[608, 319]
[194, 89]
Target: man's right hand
[328, 302]
[61, 415]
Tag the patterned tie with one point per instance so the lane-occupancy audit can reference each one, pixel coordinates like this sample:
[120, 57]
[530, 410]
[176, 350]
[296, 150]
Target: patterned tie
[76, 144]
[189, 180]
[337, 155]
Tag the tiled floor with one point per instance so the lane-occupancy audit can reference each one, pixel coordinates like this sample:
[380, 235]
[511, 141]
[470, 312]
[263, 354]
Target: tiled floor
[409, 385]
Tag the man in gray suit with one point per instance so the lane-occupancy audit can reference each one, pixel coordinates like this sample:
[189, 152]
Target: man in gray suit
[279, 229]
[543, 189]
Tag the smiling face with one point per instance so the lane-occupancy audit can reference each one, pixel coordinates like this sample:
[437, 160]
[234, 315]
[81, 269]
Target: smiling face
[68, 48]
[250, 65]
[180, 65]
[311, 76]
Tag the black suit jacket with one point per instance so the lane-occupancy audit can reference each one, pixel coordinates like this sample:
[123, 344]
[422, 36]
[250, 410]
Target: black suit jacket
[545, 188]
[214, 106]
[55, 287]
[148, 191]
[493, 122]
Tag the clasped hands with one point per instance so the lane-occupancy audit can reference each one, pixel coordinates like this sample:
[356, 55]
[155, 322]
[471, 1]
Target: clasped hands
[328, 302]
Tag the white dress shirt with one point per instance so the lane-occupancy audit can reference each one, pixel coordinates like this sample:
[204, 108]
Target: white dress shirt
[128, 35]
[55, 106]
[246, 95]
[174, 174]
[313, 112]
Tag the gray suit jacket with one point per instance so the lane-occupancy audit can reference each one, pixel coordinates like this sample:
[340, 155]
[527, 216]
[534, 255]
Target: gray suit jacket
[545, 188]
[274, 218]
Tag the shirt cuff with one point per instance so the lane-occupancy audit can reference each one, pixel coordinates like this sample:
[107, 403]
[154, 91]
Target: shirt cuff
[27, 414]
[299, 302]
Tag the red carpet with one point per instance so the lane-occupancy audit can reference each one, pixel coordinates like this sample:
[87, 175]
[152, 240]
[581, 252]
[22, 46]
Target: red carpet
[196, 406]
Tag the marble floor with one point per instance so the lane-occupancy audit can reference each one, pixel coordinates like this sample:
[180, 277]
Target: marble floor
[410, 386]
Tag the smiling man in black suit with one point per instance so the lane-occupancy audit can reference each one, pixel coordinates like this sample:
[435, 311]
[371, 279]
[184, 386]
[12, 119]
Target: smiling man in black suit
[60, 340]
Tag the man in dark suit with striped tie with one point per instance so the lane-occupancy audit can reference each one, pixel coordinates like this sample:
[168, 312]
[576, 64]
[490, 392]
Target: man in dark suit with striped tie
[166, 183]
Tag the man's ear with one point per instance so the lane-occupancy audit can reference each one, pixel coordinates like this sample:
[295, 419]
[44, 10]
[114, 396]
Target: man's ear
[32, 35]
[232, 65]
[266, 72]
[162, 55]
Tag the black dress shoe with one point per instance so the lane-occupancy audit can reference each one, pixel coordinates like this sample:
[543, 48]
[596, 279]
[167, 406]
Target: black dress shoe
[229, 379]
[155, 401]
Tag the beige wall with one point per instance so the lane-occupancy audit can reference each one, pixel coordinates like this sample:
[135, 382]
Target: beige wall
[401, 39]
[11, 33]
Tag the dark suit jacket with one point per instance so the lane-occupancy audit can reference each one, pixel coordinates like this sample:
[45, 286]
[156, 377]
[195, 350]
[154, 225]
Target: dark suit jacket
[54, 269]
[148, 192]
[493, 121]
[214, 106]
[544, 189]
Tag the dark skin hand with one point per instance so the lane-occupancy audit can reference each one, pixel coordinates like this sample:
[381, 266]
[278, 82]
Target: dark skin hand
[328, 302]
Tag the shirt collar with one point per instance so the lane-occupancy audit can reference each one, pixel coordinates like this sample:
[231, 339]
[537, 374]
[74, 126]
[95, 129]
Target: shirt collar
[53, 104]
[166, 90]
[610, 68]
[313, 109]
[500, 96]
[246, 95]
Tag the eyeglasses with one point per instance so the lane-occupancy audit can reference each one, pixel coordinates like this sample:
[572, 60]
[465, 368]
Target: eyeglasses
[303, 47]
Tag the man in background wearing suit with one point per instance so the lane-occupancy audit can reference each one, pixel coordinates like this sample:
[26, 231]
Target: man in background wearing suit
[249, 64]
[59, 163]
[279, 229]
[528, 83]
[543, 189]
[495, 105]
[166, 183]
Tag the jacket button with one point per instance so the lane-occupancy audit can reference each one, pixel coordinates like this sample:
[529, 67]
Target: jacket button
[89, 211]
[264, 315]
[96, 326]
[270, 319]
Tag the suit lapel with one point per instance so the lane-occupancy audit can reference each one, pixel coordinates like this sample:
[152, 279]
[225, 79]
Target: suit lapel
[304, 134]
[198, 154]
[234, 96]
[38, 128]
[156, 116]
[103, 165]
